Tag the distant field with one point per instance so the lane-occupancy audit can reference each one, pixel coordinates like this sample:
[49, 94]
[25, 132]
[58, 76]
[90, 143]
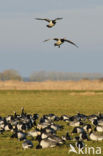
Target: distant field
[44, 102]
[52, 85]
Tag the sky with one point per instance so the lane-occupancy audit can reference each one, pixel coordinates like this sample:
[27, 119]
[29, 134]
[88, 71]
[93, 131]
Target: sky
[21, 36]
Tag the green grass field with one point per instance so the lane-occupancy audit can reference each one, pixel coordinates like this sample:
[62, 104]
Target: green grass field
[44, 102]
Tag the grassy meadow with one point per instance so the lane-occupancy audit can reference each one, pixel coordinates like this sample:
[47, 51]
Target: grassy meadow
[44, 102]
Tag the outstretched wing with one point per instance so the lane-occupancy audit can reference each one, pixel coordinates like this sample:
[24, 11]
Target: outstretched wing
[58, 19]
[45, 19]
[47, 40]
[56, 39]
[71, 42]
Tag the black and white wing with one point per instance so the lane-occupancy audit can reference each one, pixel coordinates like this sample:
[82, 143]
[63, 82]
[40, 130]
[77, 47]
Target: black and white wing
[58, 19]
[70, 42]
[47, 40]
[56, 39]
[45, 19]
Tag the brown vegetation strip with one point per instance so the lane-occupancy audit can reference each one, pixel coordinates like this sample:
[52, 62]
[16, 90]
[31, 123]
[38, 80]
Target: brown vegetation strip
[52, 85]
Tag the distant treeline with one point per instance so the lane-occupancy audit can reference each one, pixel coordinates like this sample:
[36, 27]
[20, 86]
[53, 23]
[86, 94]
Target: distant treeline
[63, 76]
[53, 76]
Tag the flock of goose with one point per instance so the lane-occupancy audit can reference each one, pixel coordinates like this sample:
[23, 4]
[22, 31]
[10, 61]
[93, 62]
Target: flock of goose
[44, 130]
[51, 24]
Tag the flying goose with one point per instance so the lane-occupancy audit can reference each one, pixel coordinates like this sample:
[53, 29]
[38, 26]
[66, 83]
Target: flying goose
[61, 41]
[51, 22]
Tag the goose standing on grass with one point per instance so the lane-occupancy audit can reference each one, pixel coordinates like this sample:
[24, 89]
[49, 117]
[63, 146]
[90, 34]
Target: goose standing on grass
[87, 127]
[45, 143]
[61, 41]
[19, 135]
[75, 123]
[78, 130]
[95, 137]
[99, 128]
[56, 139]
[51, 22]
[34, 133]
[80, 144]
[83, 136]
[66, 137]
[8, 127]
[27, 144]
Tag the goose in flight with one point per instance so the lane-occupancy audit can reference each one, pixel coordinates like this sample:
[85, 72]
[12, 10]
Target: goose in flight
[61, 41]
[51, 22]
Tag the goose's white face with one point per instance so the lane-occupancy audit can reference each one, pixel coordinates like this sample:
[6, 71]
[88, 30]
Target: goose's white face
[59, 42]
[51, 24]
[44, 136]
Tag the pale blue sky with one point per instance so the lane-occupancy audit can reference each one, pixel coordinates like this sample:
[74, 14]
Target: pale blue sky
[21, 36]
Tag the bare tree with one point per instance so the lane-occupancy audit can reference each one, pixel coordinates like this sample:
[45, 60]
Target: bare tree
[10, 74]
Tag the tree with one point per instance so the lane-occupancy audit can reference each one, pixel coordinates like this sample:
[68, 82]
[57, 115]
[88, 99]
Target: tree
[38, 76]
[10, 74]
